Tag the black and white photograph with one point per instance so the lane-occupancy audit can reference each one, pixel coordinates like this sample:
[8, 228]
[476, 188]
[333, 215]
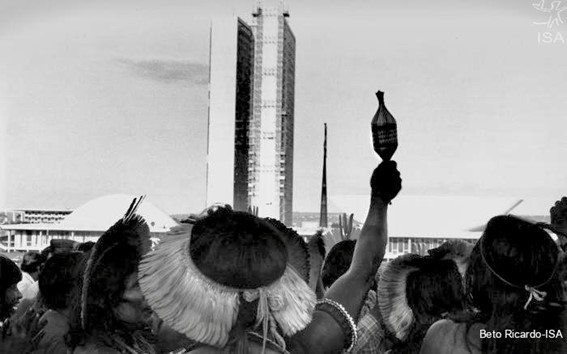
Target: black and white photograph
[283, 176]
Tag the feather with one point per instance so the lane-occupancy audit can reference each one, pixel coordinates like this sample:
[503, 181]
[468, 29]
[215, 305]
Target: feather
[392, 301]
[132, 229]
[206, 311]
[297, 251]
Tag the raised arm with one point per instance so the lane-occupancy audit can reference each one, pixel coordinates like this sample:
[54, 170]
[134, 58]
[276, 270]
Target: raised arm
[371, 245]
[324, 334]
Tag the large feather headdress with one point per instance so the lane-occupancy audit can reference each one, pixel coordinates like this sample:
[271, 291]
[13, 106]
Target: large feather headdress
[130, 231]
[203, 308]
[392, 299]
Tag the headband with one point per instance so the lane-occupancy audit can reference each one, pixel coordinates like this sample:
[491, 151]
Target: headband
[536, 294]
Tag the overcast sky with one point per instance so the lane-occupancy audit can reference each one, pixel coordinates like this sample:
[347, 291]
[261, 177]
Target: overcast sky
[101, 97]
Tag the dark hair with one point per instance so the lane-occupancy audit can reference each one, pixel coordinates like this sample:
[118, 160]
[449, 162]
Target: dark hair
[32, 262]
[435, 289]
[59, 278]
[115, 257]
[85, 246]
[562, 270]
[10, 274]
[432, 291]
[58, 246]
[240, 250]
[511, 254]
[107, 284]
[337, 261]
[47, 252]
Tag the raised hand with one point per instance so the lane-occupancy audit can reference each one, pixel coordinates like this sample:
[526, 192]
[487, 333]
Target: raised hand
[386, 182]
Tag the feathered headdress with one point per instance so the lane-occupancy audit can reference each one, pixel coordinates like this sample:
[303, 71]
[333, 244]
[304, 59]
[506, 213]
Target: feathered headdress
[190, 280]
[130, 231]
[296, 248]
[392, 299]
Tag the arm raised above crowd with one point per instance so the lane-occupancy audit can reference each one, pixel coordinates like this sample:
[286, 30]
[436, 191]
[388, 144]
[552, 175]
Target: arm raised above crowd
[324, 334]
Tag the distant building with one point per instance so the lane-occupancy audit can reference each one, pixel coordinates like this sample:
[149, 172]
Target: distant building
[251, 113]
[33, 216]
[85, 223]
[419, 223]
[272, 125]
[230, 110]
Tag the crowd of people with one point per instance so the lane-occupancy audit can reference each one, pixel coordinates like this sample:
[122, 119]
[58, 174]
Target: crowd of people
[231, 282]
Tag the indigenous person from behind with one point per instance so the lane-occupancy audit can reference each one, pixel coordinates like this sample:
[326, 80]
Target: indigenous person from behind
[236, 284]
[515, 295]
[57, 285]
[413, 292]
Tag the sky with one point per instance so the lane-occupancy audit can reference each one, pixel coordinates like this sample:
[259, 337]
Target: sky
[104, 97]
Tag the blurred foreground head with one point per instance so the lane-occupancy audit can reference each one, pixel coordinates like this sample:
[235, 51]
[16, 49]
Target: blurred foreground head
[10, 276]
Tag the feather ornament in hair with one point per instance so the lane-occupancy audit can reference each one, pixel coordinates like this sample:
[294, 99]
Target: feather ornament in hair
[131, 223]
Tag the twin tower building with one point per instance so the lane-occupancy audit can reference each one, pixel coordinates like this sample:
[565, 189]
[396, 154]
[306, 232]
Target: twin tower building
[251, 113]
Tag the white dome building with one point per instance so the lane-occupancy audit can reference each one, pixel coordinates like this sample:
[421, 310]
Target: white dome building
[101, 213]
[86, 223]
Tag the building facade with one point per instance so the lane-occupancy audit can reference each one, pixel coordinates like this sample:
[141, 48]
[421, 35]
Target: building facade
[251, 113]
[272, 124]
[230, 108]
[33, 216]
[86, 223]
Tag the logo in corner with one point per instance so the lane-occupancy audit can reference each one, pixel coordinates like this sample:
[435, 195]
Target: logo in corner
[553, 12]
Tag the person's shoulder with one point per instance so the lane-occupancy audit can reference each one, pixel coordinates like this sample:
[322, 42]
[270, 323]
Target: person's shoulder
[444, 325]
[447, 336]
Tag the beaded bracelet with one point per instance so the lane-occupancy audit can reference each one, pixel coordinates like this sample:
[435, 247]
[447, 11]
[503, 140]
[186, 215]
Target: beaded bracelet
[341, 316]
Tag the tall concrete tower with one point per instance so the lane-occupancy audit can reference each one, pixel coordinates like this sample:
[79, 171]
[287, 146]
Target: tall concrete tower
[272, 124]
[251, 113]
[230, 109]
